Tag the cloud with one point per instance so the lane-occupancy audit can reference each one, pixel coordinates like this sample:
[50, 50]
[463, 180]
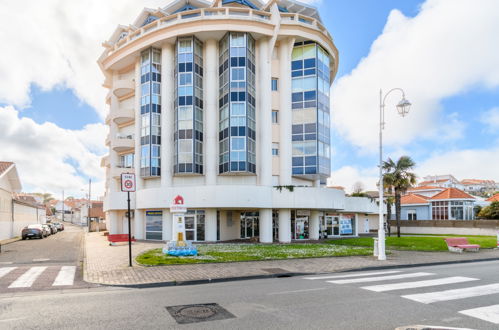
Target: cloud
[57, 42]
[347, 176]
[445, 50]
[490, 119]
[50, 158]
[463, 164]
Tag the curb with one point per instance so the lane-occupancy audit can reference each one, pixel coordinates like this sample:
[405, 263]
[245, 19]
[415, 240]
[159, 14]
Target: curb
[287, 274]
[10, 240]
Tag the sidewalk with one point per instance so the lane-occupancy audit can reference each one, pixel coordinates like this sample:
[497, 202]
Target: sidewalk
[108, 265]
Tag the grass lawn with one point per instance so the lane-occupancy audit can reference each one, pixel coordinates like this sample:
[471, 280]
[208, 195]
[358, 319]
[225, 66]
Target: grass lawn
[417, 243]
[249, 252]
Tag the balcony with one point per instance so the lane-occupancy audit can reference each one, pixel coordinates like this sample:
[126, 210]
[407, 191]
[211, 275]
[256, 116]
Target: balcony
[122, 116]
[104, 162]
[123, 87]
[122, 143]
[120, 169]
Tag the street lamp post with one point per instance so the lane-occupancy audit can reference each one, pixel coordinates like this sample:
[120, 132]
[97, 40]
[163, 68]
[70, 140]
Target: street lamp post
[403, 109]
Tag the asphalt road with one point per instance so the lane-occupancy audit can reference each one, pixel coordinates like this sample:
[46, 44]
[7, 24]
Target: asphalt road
[281, 303]
[51, 263]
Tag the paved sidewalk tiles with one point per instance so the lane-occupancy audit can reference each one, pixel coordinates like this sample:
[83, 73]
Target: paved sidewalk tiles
[108, 265]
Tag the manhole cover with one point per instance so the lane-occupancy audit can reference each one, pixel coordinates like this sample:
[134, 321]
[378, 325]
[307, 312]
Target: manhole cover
[184, 314]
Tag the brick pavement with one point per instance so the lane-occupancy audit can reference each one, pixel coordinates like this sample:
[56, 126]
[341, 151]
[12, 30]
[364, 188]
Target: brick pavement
[106, 264]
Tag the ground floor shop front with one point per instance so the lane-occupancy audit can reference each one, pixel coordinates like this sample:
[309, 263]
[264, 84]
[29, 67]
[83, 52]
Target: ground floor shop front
[264, 225]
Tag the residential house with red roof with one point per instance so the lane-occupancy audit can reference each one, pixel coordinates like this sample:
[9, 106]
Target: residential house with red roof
[435, 203]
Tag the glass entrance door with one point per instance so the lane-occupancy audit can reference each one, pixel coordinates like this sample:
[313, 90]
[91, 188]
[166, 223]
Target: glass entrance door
[249, 226]
[190, 227]
[329, 226]
[301, 228]
[195, 225]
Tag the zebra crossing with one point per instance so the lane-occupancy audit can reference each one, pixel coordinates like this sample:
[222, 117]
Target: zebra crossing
[426, 280]
[36, 277]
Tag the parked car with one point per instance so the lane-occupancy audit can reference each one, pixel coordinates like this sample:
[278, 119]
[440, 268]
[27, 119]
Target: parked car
[47, 230]
[32, 231]
[53, 228]
[59, 226]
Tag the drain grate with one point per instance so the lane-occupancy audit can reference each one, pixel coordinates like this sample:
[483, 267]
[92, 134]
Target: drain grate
[185, 314]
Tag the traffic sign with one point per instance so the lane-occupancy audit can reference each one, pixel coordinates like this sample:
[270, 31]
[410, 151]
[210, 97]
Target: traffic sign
[128, 182]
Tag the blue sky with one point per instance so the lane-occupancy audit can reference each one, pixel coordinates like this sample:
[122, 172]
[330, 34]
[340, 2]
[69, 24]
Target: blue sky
[447, 131]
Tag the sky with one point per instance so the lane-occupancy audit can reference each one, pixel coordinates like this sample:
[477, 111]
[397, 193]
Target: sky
[443, 53]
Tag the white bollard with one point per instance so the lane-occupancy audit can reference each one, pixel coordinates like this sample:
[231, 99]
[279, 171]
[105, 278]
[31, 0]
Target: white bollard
[376, 251]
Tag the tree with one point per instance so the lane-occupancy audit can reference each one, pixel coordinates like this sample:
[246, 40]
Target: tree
[357, 187]
[46, 197]
[490, 212]
[389, 202]
[398, 175]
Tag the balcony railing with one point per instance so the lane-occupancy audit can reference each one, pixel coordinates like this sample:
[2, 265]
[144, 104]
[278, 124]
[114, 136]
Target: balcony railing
[215, 13]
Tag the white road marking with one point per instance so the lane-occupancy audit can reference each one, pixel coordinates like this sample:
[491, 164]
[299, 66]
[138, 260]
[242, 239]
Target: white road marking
[418, 284]
[66, 276]
[296, 291]
[5, 270]
[350, 275]
[489, 313]
[41, 259]
[475, 291]
[380, 278]
[6, 263]
[28, 278]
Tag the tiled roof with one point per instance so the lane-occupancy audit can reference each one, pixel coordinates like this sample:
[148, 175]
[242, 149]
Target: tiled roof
[452, 193]
[477, 181]
[4, 166]
[423, 188]
[414, 199]
[494, 198]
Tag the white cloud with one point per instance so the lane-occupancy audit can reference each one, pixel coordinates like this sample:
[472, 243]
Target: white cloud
[347, 176]
[50, 158]
[447, 49]
[57, 42]
[490, 119]
[463, 164]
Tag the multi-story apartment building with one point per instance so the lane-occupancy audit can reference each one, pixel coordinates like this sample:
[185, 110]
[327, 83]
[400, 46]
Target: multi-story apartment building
[225, 103]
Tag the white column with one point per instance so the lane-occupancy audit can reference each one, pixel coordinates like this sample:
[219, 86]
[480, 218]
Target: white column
[285, 113]
[112, 220]
[167, 113]
[265, 113]
[139, 224]
[210, 88]
[211, 225]
[314, 225]
[265, 224]
[284, 225]
[167, 225]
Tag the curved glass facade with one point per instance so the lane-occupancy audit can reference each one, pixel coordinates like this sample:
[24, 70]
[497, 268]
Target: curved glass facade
[188, 106]
[237, 104]
[150, 112]
[310, 69]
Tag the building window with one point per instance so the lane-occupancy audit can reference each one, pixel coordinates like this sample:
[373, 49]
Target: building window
[150, 110]
[411, 215]
[237, 150]
[275, 149]
[275, 119]
[188, 137]
[310, 104]
[274, 84]
[154, 225]
[126, 161]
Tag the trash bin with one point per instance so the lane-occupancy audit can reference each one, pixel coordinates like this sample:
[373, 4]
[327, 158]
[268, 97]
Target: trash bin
[375, 246]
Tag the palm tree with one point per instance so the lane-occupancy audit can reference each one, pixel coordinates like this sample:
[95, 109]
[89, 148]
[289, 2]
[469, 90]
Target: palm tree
[397, 175]
[389, 202]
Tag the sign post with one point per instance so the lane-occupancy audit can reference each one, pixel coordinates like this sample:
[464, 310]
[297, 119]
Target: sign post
[128, 185]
